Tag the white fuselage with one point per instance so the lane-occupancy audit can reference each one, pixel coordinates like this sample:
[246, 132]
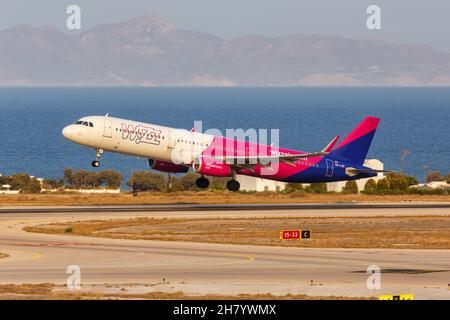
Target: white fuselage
[138, 138]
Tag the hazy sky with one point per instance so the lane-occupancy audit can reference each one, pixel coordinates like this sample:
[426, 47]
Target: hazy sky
[413, 21]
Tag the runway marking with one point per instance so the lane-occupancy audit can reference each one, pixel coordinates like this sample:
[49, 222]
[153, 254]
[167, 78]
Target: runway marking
[249, 259]
[53, 244]
[34, 255]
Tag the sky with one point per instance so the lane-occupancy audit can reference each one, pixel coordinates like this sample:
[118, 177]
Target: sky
[406, 21]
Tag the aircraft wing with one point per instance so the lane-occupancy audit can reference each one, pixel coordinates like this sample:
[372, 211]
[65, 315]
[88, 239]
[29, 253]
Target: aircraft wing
[248, 161]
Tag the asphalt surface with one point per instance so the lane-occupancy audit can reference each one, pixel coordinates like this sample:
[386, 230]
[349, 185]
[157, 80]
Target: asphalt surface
[199, 268]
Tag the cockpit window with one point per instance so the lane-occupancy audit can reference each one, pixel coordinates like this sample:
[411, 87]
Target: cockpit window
[85, 123]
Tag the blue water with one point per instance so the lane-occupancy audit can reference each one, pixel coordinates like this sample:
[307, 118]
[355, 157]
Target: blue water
[416, 119]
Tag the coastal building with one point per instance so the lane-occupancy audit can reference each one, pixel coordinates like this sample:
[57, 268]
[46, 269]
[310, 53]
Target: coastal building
[433, 185]
[94, 191]
[6, 189]
[258, 184]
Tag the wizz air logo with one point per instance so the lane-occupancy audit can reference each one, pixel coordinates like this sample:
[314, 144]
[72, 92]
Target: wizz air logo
[141, 134]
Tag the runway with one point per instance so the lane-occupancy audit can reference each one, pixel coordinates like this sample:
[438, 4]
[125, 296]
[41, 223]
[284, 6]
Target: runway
[199, 268]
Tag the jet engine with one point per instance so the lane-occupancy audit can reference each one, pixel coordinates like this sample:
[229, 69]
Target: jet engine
[211, 168]
[166, 166]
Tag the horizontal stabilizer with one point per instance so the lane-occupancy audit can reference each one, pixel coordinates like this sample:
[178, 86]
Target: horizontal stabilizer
[356, 171]
[330, 146]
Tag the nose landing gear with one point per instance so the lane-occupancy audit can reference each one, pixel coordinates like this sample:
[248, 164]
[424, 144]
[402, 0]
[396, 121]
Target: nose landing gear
[98, 154]
[233, 185]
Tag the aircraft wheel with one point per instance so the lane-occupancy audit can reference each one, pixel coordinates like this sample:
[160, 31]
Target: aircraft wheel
[95, 163]
[233, 185]
[202, 183]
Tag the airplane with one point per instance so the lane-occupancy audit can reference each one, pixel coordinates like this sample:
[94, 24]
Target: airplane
[177, 151]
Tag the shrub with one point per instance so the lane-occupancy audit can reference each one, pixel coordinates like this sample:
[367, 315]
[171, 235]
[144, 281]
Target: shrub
[371, 186]
[351, 187]
[317, 188]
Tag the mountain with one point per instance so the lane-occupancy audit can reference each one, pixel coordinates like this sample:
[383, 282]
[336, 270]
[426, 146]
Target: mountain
[147, 51]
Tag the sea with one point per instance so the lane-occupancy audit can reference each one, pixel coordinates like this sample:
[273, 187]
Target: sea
[413, 119]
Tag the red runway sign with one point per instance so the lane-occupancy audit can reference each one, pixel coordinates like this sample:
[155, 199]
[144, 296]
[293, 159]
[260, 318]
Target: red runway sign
[295, 234]
[290, 234]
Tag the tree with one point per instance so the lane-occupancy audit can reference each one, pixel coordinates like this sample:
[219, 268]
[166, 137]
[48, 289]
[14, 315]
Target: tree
[33, 186]
[447, 177]
[110, 178]
[434, 176]
[52, 184]
[397, 182]
[79, 178]
[68, 173]
[383, 185]
[351, 187]
[24, 183]
[317, 188]
[146, 181]
[411, 180]
[290, 187]
[371, 186]
[186, 182]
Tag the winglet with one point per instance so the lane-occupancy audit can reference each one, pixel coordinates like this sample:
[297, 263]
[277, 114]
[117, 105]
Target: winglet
[330, 146]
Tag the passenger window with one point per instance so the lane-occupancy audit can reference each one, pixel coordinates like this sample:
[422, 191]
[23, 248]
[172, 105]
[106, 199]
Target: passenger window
[85, 123]
[79, 122]
[91, 124]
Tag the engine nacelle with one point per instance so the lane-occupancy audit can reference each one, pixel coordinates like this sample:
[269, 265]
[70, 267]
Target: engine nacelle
[166, 166]
[210, 168]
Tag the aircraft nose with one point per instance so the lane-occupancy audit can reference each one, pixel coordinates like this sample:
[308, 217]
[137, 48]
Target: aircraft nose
[69, 132]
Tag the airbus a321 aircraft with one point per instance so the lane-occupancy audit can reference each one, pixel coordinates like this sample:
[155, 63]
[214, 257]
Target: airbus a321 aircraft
[176, 151]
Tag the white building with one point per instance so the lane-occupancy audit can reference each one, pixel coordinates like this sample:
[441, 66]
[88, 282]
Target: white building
[371, 163]
[94, 191]
[249, 183]
[433, 185]
[6, 189]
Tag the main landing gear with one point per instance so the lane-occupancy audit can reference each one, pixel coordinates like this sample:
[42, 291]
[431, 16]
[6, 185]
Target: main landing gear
[233, 185]
[98, 154]
[202, 183]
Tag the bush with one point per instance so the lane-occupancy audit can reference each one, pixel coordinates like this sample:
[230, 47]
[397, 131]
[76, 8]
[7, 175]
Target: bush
[291, 187]
[371, 186]
[147, 181]
[434, 176]
[447, 177]
[186, 182]
[351, 187]
[52, 184]
[430, 192]
[317, 188]
[22, 182]
[383, 185]
[397, 182]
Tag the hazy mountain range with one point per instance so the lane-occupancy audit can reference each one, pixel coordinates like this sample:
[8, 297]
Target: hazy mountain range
[147, 51]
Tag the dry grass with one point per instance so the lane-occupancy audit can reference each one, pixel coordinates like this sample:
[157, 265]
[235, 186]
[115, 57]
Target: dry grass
[204, 197]
[327, 232]
[26, 289]
[46, 291]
